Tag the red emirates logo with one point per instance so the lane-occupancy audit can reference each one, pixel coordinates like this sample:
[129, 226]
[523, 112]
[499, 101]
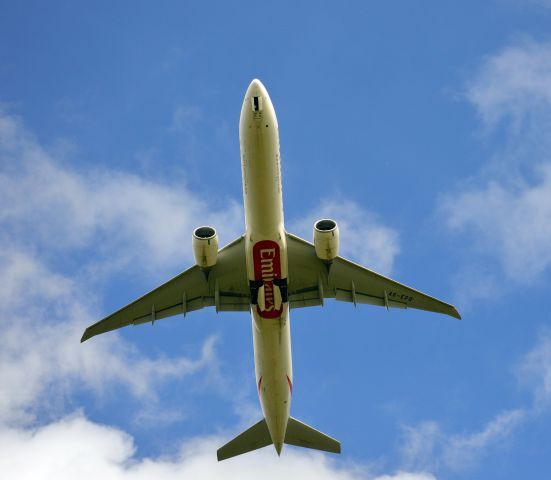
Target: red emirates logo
[267, 267]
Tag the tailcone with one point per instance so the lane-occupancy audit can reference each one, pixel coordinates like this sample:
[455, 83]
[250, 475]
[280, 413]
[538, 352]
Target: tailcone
[277, 427]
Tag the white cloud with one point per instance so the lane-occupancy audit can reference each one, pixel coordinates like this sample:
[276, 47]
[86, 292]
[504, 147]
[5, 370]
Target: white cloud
[464, 450]
[363, 238]
[42, 316]
[419, 444]
[534, 370]
[407, 476]
[506, 208]
[511, 224]
[473, 284]
[49, 209]
[426, 446]
[119, 215]
[514, 84]
[74, 447]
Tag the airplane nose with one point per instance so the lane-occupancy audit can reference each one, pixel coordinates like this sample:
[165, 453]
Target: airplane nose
[257, 105]
[256, 89]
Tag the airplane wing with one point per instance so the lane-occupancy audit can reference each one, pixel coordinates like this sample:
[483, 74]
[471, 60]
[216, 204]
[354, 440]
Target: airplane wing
[226, 288]
[310, 283]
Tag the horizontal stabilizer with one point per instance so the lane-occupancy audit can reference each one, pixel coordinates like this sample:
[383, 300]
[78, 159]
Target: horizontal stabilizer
[302, 435]
[257, 436]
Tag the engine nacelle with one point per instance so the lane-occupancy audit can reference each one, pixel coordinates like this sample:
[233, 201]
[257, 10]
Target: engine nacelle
[205, 247]
[326, 239]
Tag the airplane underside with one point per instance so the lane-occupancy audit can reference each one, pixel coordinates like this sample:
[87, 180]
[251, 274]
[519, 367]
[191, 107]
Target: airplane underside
[268, 271]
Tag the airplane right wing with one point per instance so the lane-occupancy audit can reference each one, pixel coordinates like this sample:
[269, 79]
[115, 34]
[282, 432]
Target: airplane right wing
[310, 283]
[225, 288]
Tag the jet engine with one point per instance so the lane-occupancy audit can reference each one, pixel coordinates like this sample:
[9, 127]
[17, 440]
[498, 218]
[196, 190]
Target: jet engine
[205, 247]
[326, 239]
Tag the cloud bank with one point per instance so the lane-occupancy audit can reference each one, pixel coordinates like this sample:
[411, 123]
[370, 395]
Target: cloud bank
[74, 447]
[505, 209]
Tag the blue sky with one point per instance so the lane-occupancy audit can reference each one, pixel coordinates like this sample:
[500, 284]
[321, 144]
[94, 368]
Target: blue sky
[423, 129]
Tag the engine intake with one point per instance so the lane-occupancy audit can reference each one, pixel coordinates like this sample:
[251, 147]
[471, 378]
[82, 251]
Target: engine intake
[205, 247]
[326, 239]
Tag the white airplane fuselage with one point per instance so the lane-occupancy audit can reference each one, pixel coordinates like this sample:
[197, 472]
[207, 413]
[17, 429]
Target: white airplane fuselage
[266, 256]
[252, 273]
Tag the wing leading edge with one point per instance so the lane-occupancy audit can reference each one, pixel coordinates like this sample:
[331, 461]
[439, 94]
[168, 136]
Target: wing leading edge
[310, 283]
[226, 288]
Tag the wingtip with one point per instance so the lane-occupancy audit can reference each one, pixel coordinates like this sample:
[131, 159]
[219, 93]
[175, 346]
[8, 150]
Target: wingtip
[455, 314]
[85, 336]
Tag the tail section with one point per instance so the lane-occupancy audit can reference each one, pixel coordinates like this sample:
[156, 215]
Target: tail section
[303, 435]
[298, 434]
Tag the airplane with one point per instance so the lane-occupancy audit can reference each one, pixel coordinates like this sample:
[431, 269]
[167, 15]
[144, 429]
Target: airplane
[268, 271]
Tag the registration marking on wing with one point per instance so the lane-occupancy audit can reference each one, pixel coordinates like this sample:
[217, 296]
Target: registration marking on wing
[397, 296]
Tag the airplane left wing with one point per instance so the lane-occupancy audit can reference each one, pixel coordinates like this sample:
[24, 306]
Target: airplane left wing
[225, 288]
[310, 283]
